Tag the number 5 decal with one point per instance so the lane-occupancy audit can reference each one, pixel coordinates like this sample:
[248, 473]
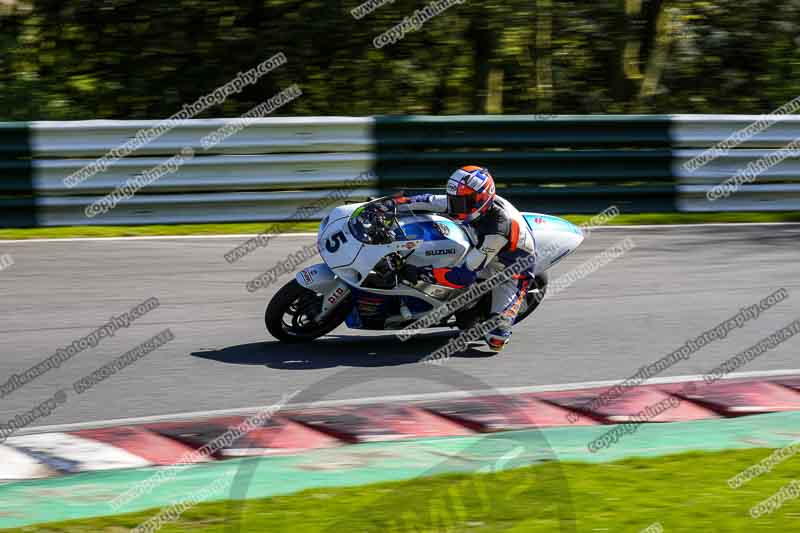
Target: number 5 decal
[335, 242]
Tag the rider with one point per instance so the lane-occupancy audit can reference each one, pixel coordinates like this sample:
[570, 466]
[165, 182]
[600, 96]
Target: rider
[499, 234]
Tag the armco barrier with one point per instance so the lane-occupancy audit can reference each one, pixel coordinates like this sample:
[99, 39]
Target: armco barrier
[579, 164]
[195, 207]
[17, 206]
[559, 164]
[261, 136]
[756, 136]
[221, 173]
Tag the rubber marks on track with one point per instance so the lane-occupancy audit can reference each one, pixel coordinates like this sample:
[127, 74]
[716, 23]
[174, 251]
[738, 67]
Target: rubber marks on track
[378, 422]
[67, 453]
[16, 465]
[293, 431]
[503, 413]
[643, 404]
[737, 399]
[148, 445]
[277, 435]
[792, 383]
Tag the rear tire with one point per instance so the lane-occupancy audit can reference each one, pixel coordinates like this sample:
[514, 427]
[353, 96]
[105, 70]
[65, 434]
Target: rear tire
[299, 304]
[469, 318]
[534, 299]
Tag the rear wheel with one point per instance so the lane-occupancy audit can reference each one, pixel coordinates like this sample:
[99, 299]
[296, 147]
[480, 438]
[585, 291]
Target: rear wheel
[290, 314]
[471, 317]
[534, 297]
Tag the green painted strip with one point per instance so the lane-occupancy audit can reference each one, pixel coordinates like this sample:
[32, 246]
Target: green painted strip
[594, 161]
[673, 146]
[17, 195]
[87, 495]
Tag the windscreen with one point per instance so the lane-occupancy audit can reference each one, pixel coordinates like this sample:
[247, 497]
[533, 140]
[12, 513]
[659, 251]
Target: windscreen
[372, 226]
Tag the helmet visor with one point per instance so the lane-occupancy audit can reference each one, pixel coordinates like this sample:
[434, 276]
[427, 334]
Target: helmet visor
[460, 205]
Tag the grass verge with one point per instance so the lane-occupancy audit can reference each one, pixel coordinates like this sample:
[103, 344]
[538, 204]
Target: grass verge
[311, 226]
[63, 232]
[683, 493]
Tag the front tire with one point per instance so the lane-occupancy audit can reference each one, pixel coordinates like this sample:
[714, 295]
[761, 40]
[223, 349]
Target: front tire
[289, 314]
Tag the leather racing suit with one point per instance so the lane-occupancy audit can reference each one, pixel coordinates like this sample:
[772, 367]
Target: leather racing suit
[500, 237]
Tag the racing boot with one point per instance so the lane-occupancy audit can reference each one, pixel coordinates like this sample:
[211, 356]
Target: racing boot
[497, 338]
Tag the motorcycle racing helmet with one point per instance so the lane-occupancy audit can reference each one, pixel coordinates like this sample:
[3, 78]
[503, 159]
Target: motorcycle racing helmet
[470, 193]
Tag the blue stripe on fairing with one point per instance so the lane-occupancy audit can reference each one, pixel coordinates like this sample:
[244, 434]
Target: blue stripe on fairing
[551, 221]
[425, 230]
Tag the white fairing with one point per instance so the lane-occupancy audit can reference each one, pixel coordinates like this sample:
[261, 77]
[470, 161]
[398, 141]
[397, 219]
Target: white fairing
[351, 260]
[318, 277]
[554, 238]
[334, 252]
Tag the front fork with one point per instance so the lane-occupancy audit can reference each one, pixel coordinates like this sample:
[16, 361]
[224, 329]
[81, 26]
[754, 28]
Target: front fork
[322, 280]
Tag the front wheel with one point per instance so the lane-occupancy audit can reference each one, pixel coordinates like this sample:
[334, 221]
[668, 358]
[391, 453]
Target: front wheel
[290, 314]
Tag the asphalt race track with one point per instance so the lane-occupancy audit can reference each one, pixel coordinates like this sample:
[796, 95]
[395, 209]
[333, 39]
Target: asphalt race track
[675, 283]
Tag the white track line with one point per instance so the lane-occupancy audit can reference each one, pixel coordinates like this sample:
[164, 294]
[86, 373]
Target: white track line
[250, 235]
[241, 236]
[391, 399]
[710, 224]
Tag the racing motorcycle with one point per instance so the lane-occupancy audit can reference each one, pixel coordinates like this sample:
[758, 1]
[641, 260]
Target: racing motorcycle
[367, 248]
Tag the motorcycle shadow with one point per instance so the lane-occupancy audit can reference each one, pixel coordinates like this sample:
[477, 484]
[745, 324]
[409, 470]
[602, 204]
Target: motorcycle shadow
[341, 350]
